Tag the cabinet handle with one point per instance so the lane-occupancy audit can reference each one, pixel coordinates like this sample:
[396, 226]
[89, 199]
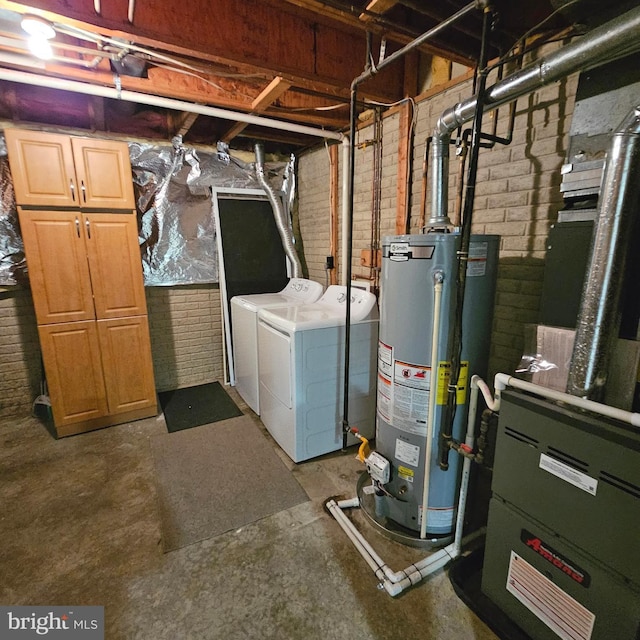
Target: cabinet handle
[73, 189]
[88, 225]
[84, 191]
[78, 227]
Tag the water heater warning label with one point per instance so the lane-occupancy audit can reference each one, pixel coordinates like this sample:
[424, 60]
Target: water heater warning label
[409, 403]
[477, 262]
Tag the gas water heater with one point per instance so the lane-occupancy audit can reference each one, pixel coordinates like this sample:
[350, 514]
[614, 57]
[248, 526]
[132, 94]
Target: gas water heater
[409, 266]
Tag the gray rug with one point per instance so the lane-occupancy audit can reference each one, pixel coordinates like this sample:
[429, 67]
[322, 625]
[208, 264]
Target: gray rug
[218, 477]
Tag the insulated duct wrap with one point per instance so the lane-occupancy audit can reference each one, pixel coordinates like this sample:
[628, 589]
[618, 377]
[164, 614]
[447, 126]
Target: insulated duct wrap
[173, 189]
[12, 261]
[599, 318]
[281, 217]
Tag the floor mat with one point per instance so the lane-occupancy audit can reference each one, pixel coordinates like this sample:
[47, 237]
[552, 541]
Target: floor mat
[195, 406]
[218, 477]
[465, 574]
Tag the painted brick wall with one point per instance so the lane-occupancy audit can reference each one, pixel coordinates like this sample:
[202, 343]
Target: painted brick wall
[517, 197]
[314, 210]
[186, 335]
[20, 369]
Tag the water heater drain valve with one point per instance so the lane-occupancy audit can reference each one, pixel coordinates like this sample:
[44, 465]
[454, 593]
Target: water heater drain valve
[379, 467]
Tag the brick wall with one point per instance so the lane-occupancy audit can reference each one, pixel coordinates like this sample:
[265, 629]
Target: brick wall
[517, 197]
[186, 342]
[186, 335]
[20, 368]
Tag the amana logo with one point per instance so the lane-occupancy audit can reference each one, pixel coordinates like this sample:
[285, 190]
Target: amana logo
[555, 558]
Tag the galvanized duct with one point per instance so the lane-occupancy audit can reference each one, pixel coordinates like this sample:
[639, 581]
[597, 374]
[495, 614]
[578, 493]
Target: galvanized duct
[605, 43]
[598, 319]
[282, 223]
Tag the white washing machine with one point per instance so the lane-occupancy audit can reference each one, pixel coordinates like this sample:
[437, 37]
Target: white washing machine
[244, 320]
[301, 356]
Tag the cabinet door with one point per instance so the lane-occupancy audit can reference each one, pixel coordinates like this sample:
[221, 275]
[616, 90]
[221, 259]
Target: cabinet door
[115, 264]
[54, 246]
[42, 168]
[104, 174]
[127, 364]
[71, 354]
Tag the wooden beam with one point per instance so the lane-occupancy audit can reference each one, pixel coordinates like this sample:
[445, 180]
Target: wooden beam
[254, 37]
[334, 189]
[411, 74]
[270, 93]
[352, 19]
[377, 6]
[96, 113]
[404, 173]
[267, 97]
[185, 123]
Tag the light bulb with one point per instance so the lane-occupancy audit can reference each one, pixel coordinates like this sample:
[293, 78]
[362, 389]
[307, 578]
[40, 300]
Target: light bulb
[38, 27]
[40, 48]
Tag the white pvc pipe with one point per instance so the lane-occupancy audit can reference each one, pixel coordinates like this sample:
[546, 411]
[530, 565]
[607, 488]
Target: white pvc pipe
[503, 380]
[346, 239]
[364, 545]
[486, 392]
[355, 537]
[466, 465]
[394, 583]
[157, 101]
[433, 385]
[430, 564]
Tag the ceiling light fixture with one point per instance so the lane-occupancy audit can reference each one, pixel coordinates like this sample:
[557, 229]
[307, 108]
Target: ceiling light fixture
[38, 27]
[40, 32]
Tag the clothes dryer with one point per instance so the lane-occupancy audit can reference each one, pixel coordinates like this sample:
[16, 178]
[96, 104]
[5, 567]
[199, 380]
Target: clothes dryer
[301, 353]
[244, 320]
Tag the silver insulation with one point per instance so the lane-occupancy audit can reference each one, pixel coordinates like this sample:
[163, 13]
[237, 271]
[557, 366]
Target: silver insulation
[175, 207]
[12, 261]
[281, 217]
[612, 40]
[598, 319]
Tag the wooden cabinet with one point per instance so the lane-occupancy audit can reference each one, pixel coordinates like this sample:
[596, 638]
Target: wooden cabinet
[71, 354]
[98, 372]
[83, 265]
[85, 271]
[53, 170]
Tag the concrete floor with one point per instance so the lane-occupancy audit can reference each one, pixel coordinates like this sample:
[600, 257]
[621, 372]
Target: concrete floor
[79, 525]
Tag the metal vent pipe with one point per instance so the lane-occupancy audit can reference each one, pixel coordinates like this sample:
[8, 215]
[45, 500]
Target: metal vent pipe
[279, 214]
[598, 320]
[612, 40]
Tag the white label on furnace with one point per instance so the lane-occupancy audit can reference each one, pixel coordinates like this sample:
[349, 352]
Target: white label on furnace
[566, 617]
[408, 453]
[569, 474]
[477, 262]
